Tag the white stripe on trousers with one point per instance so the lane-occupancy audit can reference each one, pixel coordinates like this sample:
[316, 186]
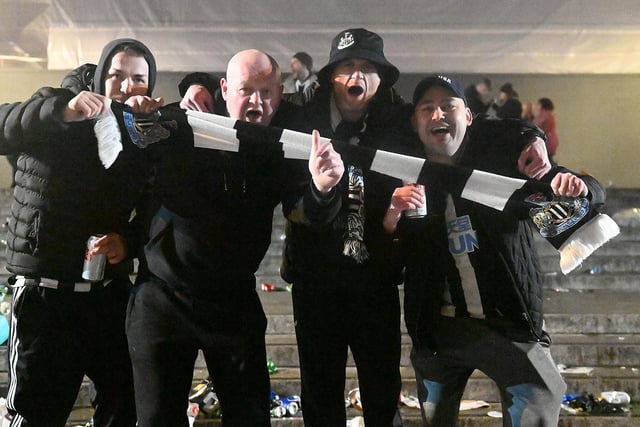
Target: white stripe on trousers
[14, 343]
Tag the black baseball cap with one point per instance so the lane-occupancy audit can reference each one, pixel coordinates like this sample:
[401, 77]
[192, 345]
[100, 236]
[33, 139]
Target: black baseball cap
[438, 80]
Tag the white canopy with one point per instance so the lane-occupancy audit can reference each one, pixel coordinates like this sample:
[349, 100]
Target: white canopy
[457, 36]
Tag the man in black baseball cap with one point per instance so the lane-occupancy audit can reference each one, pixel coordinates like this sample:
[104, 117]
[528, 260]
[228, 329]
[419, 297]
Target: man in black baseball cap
[473, 289]
[440, 117]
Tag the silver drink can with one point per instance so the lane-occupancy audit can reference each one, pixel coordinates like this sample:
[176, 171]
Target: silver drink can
[420, 211]
[93, 269]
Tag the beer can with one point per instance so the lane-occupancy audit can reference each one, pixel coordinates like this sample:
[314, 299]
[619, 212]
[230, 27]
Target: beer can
[93, 269]
[420, 211]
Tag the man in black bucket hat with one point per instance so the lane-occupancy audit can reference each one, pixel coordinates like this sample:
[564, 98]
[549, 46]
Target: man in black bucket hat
[350, 300]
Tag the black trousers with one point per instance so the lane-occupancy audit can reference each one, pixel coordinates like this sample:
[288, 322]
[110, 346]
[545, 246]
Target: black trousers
[57, 337]
[167, 328]
[332, 318]
[530, 385]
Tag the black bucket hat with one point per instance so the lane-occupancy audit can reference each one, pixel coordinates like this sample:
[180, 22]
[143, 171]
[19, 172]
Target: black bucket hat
[359, 43]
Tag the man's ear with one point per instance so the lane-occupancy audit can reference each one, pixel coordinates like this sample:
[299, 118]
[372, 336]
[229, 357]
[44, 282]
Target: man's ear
[469, 116]
[223, 88]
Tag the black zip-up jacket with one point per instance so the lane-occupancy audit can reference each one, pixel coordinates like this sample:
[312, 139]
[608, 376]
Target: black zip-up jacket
[305, 244]
[506, 263]
[214, 224]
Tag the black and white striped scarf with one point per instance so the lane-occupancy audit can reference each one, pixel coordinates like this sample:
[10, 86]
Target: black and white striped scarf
[354, 246]
[573, 226]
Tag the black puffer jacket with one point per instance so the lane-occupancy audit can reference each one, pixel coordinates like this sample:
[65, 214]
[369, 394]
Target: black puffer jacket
[63, 193]
[79, 79]
[505, 260]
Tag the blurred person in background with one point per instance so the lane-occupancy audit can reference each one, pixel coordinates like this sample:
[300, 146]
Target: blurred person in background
[545, 119]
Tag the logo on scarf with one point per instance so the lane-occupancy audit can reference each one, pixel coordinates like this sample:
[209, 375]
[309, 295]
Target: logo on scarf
[558, 215]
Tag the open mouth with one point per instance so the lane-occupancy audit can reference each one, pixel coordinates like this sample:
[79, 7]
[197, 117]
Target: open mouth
[439, 130]
[355, 90]
[254, 114]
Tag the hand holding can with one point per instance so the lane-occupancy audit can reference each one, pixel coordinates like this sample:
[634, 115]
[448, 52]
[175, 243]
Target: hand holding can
[419, 211]
[94, 264]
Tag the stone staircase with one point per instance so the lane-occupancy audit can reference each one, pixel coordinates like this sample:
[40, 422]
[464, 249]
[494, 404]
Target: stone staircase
[593, 316]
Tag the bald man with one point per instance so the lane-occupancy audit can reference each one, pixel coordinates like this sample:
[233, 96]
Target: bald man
[206, 242]
[252, 89]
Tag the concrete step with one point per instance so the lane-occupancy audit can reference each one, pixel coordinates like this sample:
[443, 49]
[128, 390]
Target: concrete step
[627, 243]
[592, 312]
[607, 264]
[626, 281]
[567, 311]
[622, 197]
[602, 350]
